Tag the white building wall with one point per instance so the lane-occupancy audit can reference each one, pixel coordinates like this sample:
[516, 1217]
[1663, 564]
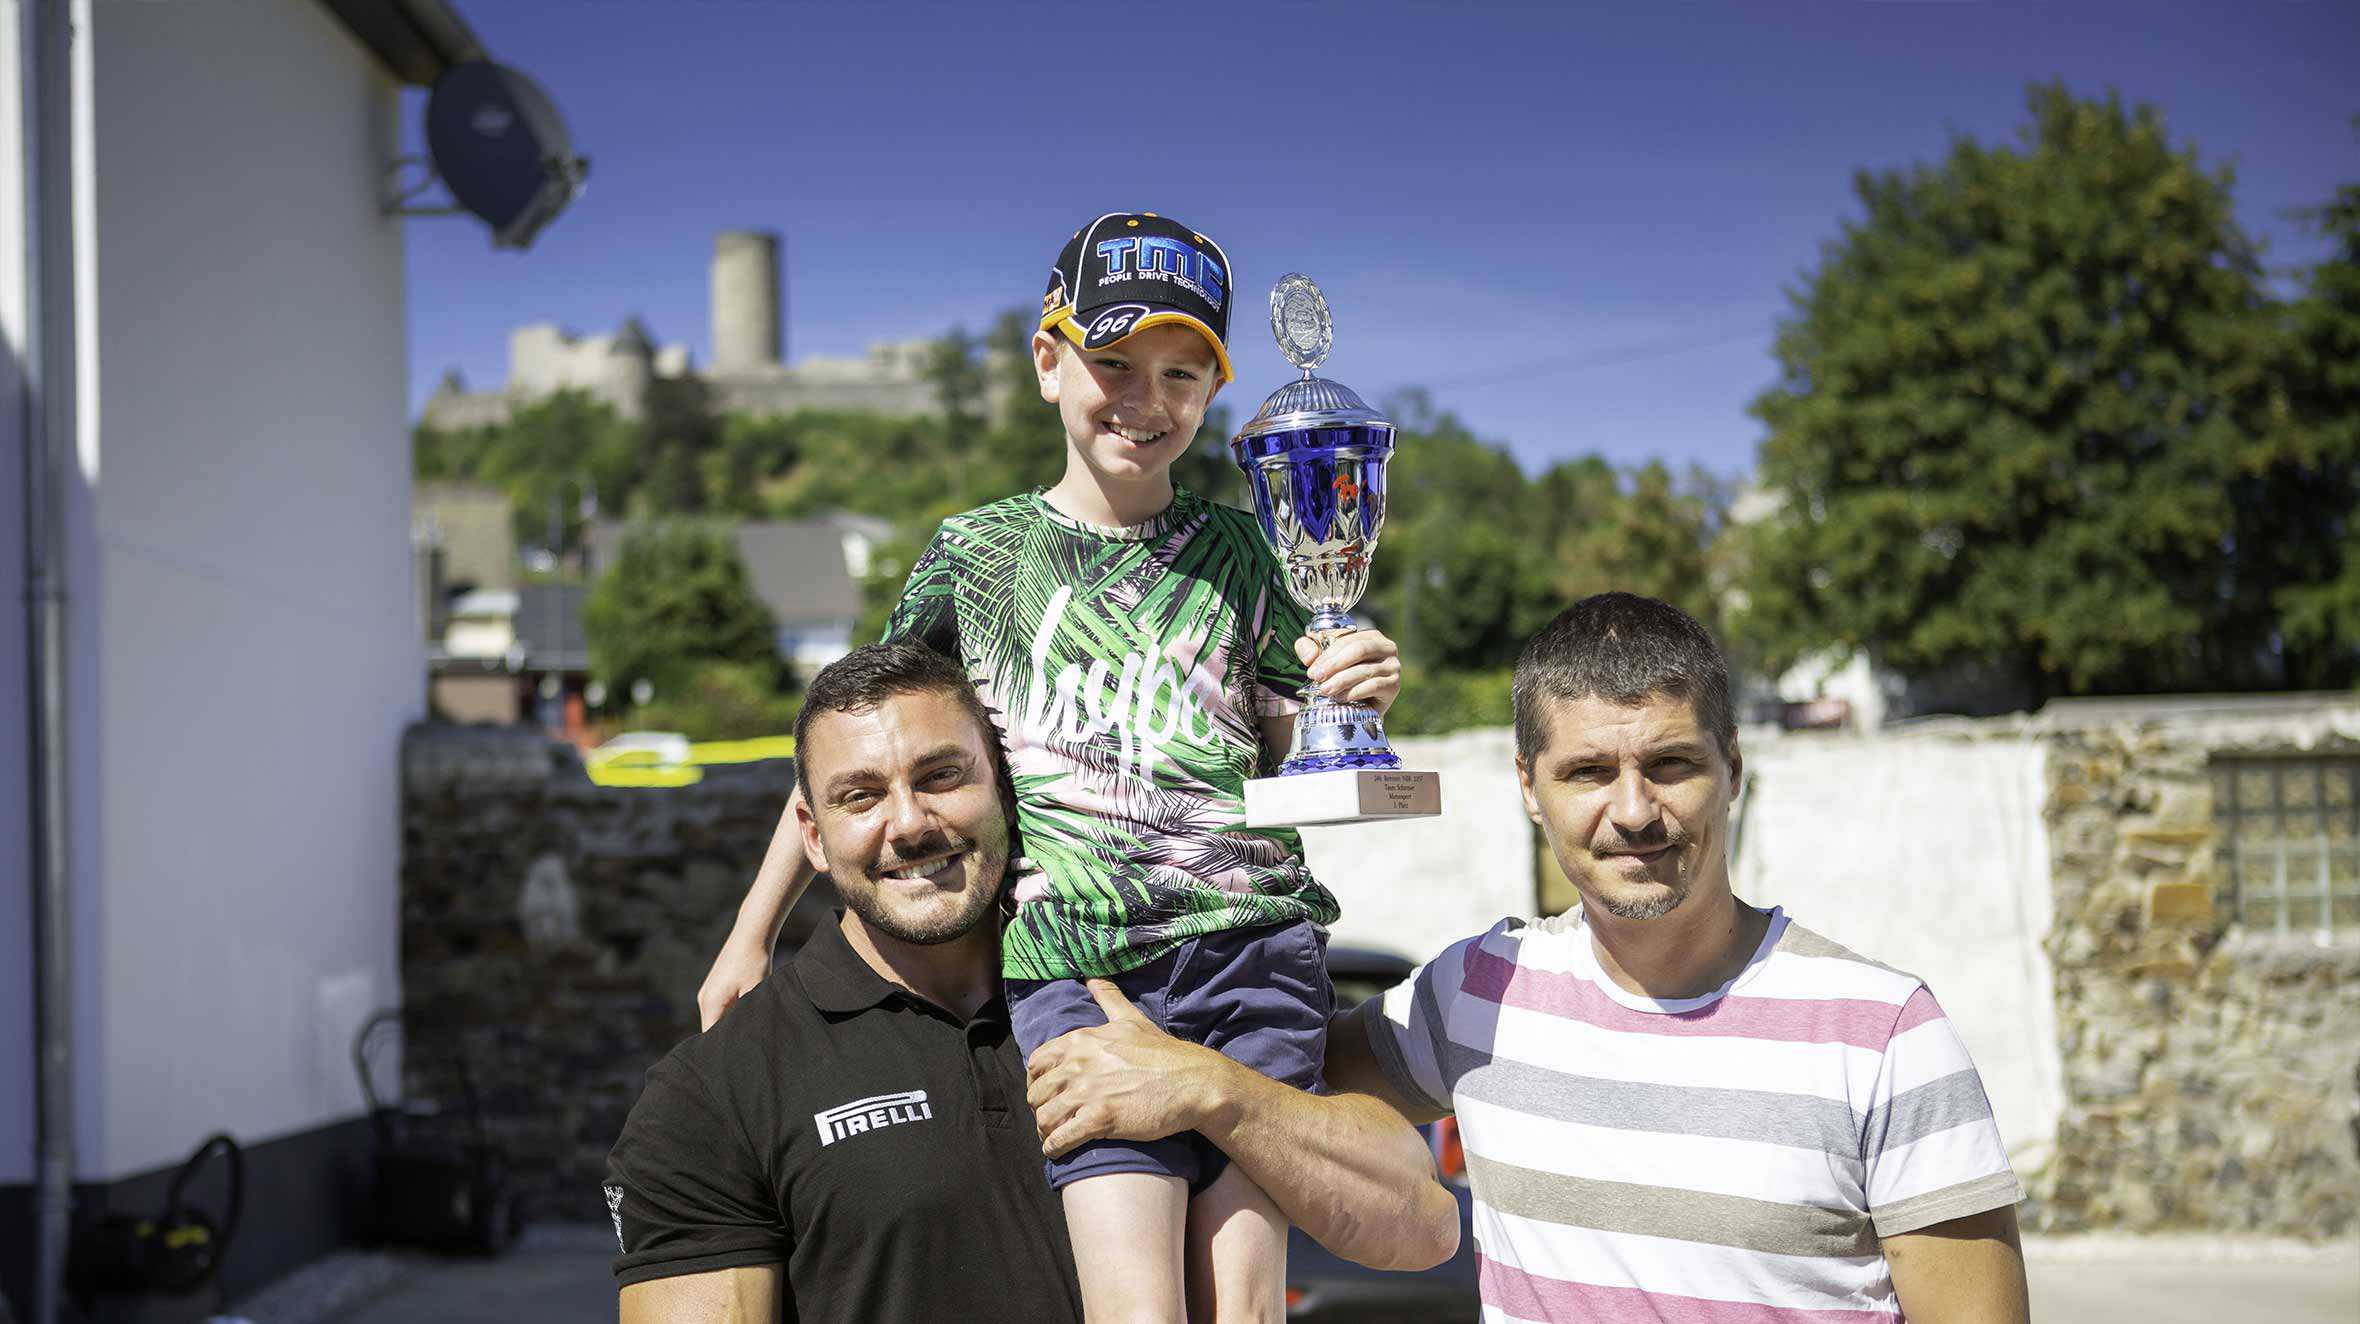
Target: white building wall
[16, 901]
[254, 661]
[1417, 886]
[1928, 854]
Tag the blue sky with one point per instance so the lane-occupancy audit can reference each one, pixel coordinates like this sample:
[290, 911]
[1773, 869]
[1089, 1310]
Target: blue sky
[1574, 223]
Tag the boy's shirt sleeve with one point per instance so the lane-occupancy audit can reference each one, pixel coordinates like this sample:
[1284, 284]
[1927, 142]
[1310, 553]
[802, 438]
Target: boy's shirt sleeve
[1932, 1150]
[1279, 676]
[928, 610]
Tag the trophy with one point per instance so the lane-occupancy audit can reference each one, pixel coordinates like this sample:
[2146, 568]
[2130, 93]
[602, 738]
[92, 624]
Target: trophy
[1315, 456]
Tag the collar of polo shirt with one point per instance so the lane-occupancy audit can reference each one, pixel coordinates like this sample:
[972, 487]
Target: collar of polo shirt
[835, 976]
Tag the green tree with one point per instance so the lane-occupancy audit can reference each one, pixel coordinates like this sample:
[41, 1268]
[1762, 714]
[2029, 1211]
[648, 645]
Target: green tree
[721, 701]
[954, 368]
[677, 598]
[2016, 401]
[2322, 616]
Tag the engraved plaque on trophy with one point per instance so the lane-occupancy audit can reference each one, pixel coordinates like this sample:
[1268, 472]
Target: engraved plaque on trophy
[1314, 455]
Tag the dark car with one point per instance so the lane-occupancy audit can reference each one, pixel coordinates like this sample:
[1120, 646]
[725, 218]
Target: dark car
[1323, 1287]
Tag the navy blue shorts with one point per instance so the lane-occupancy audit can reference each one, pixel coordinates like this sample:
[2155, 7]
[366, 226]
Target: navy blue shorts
[1258, 996]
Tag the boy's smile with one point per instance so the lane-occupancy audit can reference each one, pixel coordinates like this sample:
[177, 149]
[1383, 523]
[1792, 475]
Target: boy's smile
[1131, 408]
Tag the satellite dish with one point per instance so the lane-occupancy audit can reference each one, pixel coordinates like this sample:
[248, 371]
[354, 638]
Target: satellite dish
[497, 144]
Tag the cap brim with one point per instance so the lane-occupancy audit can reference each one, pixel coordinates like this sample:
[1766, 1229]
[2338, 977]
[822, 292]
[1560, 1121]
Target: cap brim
[1063, 320]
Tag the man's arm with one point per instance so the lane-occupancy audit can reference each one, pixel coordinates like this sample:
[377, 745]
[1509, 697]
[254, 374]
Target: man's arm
[723, 1296]
[1967, 1271]
[1346, 1168]
[744, 959]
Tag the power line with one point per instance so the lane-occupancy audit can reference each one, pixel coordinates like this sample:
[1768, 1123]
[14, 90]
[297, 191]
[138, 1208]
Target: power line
[1597, 359]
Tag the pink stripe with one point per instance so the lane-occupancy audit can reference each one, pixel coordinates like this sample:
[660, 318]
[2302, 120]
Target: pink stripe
[1920, 1009]
[1858, 1022]
[1530, 1296]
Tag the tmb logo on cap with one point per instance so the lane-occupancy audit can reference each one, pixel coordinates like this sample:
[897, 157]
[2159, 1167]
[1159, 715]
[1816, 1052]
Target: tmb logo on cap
[871, 1114]
[1154, 258]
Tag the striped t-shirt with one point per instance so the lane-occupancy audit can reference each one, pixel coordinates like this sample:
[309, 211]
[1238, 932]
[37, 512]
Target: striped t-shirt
[1727, 1159]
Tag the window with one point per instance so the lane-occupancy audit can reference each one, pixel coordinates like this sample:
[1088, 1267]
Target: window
[2290, 841]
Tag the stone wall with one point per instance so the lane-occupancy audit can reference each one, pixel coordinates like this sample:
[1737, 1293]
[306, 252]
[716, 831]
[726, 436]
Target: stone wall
[554, 932]
[2210, 1073]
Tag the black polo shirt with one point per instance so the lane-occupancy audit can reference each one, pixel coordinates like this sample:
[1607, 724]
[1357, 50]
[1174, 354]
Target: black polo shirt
[867, 1140]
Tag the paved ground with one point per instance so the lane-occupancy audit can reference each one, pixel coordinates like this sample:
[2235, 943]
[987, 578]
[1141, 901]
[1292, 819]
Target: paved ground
[562, 1274]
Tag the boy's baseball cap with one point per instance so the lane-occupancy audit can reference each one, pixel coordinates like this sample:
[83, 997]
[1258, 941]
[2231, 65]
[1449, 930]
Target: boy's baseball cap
[1127, 271]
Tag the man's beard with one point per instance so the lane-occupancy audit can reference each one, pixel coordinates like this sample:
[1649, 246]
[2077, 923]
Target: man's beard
[1673, 893]
[1655, 907]
[958, 924]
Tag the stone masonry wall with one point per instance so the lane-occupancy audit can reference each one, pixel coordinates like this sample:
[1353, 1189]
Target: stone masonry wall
[2210, 1074]
[554, 932]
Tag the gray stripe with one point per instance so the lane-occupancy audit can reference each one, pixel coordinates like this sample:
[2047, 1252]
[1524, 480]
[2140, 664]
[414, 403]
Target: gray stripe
[1662, 1211]
[1803, 942]
[1968, 1197]
[1922, 1110]
[1797, 1121]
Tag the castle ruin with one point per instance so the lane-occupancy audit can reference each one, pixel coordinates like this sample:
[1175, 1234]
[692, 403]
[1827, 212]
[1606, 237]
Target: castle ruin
[749, 373]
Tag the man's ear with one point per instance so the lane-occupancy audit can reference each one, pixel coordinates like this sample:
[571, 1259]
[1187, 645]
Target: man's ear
[1532, 806]
[1044, 354]
[807, 827]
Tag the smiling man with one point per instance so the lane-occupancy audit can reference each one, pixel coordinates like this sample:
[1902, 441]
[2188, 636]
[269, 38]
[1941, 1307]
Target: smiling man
[853, 1140]
[1676, 1105]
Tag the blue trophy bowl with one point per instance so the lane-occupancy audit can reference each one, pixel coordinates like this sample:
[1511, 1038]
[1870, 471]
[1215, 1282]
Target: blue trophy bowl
[1319, 491]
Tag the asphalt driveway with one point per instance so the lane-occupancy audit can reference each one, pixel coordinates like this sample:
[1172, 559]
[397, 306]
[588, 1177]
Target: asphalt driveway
[561, 1273]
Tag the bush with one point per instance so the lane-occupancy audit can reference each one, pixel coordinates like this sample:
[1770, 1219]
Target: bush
[721, 701]
[1438, 702]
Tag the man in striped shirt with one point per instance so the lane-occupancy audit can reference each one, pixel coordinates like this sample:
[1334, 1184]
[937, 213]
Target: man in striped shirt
[1675, 1106]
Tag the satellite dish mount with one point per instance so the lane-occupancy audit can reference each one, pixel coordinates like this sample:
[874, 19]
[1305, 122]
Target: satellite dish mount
[495, 142]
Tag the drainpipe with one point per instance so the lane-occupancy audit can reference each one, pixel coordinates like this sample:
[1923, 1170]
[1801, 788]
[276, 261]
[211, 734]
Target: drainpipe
[45, 44]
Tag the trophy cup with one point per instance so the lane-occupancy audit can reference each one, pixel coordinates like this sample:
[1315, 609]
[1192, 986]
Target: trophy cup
[1315, 456]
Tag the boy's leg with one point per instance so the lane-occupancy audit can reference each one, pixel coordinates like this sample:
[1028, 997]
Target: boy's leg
[1129, 1230]
[1237, 1253]
[1126, 1203]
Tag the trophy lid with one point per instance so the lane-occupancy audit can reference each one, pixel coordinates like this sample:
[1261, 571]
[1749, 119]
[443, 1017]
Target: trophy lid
[1300, 322]
[1311, 402]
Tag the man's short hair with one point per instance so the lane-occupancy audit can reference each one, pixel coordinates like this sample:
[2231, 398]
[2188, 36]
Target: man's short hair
[872, 673]
[1624, 649]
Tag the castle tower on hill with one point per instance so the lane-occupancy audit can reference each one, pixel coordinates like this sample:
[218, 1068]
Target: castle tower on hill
[748, 333]
[749, 373]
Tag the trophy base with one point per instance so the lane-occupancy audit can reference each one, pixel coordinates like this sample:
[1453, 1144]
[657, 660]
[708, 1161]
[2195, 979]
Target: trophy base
[1347, 795]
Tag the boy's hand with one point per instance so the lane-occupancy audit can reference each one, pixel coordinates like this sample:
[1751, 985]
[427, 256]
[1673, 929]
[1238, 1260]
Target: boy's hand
[1360, 665]
[1124, 1080]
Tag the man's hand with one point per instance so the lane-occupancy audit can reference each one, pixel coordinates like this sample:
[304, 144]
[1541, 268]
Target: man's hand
[740, 966]
[1124, 1079]
[1343, 1167]
[1360, 665]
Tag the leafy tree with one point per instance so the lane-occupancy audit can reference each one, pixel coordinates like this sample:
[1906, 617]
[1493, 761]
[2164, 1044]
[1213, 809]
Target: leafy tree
[721, 701]
[2322, 617]
[2017, 402]
[955, 369]
[677, 598]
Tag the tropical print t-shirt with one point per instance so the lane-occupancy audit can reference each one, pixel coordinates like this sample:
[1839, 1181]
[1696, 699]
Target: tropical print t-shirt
[1125, 669]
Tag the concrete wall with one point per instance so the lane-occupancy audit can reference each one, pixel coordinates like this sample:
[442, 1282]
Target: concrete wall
[254, 658]
[16, 938]
[1418, 886]
[1928, 854]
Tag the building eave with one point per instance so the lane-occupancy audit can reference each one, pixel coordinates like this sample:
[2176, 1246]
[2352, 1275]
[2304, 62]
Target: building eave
[415, 40]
